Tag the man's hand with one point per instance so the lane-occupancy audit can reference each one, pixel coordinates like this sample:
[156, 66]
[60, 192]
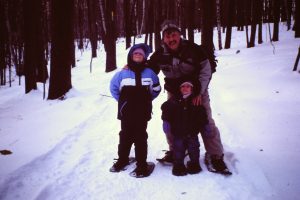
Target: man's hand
[197, 100]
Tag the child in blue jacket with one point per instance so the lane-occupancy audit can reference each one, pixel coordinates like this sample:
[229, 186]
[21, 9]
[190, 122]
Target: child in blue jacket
[134, 89]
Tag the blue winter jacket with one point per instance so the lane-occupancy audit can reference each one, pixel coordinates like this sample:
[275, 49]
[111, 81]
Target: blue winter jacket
[135, 100]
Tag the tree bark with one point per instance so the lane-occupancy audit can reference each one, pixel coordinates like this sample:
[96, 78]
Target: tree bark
[276, 11]
[107, 8]
[30, 48]
[207, 26]
[62, 47]
[218, 16]
[230, 6]
[92, 26]
[2, 43]
[190, 18]
[297, 19]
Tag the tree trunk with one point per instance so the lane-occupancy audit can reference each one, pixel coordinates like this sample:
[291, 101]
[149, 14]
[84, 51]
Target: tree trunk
[30, 48]
[297, 19]
[255, 20]
[276, 11]
[288, 5]
[107, 8]
[207, 26]
[207, 30]
[62, 45]
[2, 43]
[127, 23]
[157, 20]
[247, 18]
[190, 18]
[218, 16]
[230, 6]
[92, 26]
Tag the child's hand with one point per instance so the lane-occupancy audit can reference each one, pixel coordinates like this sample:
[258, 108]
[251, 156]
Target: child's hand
[197, 100]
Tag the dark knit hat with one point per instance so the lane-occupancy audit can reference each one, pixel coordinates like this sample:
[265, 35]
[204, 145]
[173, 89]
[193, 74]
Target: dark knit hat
[169, 25]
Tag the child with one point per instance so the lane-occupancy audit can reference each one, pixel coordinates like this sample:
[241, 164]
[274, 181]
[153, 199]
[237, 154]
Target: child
[186, 121]
[134, 89]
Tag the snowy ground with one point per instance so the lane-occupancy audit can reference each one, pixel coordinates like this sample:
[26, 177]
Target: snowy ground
[63, 149]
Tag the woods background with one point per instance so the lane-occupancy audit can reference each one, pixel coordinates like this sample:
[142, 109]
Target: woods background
[34, 33]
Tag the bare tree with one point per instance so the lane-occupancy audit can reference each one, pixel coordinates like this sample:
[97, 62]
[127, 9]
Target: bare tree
[276, 12]
[62, 48]
[107, 9]
[2, 43]
[297, 19]
[218, 17]
[230, 7]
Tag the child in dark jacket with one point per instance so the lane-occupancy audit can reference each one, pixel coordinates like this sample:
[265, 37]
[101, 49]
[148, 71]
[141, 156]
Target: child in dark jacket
[134, 89]
[183, 118]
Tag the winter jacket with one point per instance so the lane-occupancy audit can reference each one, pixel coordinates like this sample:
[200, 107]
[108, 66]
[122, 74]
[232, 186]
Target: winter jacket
[189, 62]
[184, 118]
[134, 89]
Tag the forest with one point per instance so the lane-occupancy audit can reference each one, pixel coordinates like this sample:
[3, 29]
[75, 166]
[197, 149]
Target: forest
[39, 38]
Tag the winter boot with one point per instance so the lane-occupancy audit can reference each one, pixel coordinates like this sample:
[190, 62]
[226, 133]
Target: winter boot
[179, 170]
[119, 165]
[143, 170]
[168, 157]
[216, 164]
[193, 168]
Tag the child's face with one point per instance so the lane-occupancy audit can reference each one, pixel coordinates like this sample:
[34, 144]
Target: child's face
[186, 89]
[137, 57]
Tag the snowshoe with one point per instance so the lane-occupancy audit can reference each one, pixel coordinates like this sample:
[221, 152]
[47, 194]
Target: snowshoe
[179, 170]
[216, 164]
[121, 165]
[141, 172]
[167, 159]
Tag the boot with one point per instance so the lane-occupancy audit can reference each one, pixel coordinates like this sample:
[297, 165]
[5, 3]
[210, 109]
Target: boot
[193, 168]
[119, 165]
[179, 170]
[168, 157]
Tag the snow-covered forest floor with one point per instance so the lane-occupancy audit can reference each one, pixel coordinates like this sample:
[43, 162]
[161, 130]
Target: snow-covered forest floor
[64, 149]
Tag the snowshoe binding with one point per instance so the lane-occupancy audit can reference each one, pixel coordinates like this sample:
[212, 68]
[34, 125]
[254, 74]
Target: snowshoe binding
[144, 171]
[167, 159]
[120, 165]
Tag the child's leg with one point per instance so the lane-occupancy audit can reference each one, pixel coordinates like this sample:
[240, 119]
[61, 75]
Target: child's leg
[125, 141]
[140, 142]
[179, 150]
[193, 146]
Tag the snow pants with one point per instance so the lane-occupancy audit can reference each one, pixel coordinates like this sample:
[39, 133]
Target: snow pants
[210, 135]
[133, 132]
[189, 143]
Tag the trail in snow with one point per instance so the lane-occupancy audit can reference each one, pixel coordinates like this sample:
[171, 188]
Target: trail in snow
[78, 167]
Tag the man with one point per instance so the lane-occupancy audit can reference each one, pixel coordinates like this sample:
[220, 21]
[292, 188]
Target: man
[177, 59]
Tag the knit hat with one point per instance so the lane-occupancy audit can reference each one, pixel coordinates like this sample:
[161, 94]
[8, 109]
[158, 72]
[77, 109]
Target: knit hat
[140, 51]
[186, 83]
[168, 25]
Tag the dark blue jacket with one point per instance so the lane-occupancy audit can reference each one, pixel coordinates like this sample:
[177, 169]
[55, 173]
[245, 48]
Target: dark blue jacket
[184, 118]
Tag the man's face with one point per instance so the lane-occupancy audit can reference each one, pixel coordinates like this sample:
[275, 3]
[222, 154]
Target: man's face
[172, 39]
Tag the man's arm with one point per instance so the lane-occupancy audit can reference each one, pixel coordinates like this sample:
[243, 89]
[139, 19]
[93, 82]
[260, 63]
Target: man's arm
[153, 62]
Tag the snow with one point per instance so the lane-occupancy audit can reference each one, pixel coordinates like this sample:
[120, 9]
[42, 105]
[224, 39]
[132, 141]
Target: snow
[64, 149]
